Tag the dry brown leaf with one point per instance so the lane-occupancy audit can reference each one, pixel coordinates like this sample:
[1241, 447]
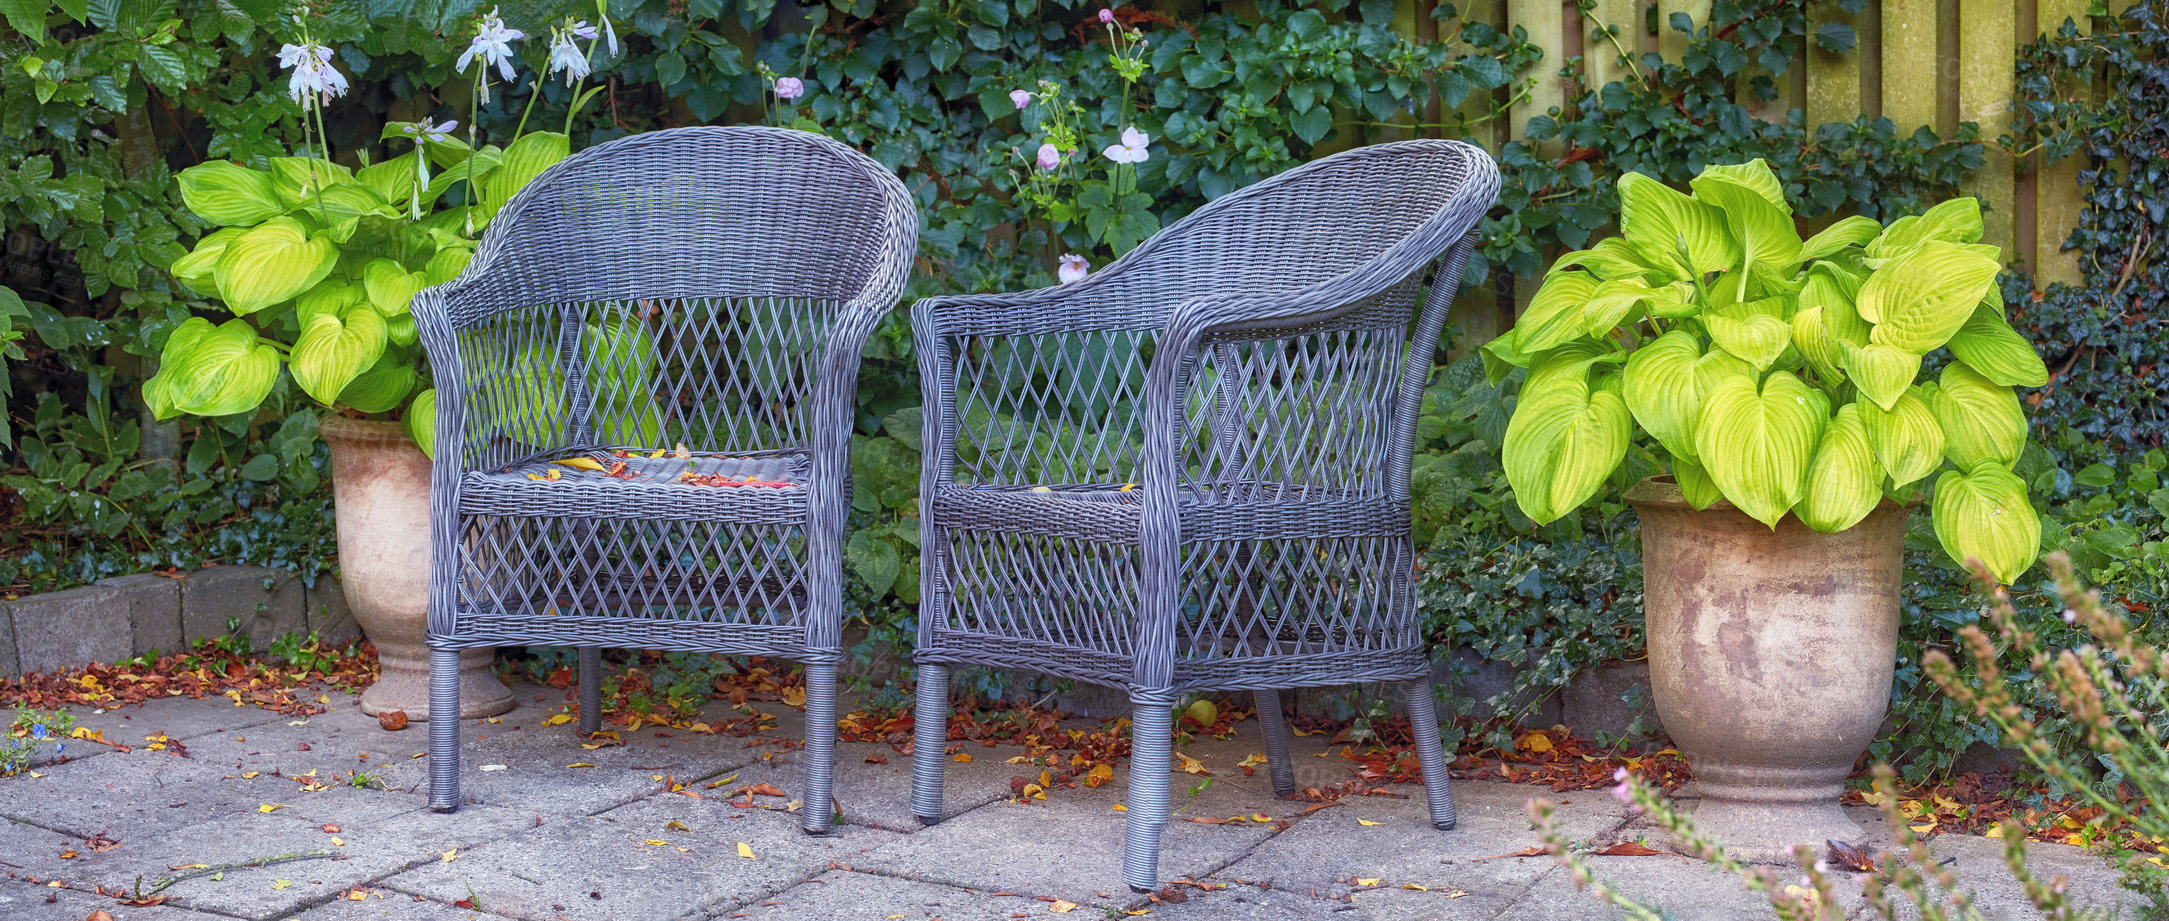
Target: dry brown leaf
[392, 720]
[1629, 849]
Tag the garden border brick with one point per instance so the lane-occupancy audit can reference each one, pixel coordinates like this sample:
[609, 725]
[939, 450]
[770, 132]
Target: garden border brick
[126, 616]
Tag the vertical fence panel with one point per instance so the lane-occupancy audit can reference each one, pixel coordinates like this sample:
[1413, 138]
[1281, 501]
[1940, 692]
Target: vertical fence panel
[1547, 30]
[1670, 42]
[1833, 80]
[1987, 52]
[1910, 77]
[1602, 55]
[2057, 207]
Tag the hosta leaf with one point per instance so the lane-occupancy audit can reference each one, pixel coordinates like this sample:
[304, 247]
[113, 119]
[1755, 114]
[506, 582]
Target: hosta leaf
[1754, 175]
[1618, 301]
[329, 296]
[526, 399]
[1989, 344]
[334, 348]
[420, 421]
[381, 388]
[1919, 300]
[390, 286]
[1557, 314]
[1844, 480]
[1981, 419]
[1502, 355]
[1664, 391]
[1852, 231]
[271, 262]
[1906, 438]
[621, 359]
[1750, 331]
[1957, 220]
[1881, 371]
[1756, 442]
[1984, 514]
[447, 264]
[1562, 445]
[199, 269]
[1667, 227]
[212, 371]
[1695, 484]
[223, 192]
[1762, 227]
[1610, 259]
[402, 330]
[1568, 365]
[520, 163]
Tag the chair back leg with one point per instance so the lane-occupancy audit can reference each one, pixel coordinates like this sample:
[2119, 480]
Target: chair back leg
[929, 741]
[590, 690]
[1152, 750]
[1430, 755]
[818, 813]
[444, 730]
[1276, 741]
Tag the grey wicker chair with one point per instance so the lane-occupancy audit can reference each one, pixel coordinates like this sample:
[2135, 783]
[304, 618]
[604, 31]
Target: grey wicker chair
[702, 287]
[1189, 471]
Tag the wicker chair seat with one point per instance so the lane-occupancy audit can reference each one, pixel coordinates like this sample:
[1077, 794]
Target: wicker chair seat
[646, 487]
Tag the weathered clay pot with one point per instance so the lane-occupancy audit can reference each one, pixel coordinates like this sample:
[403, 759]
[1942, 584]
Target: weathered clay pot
[1770, 653]
[380, 484]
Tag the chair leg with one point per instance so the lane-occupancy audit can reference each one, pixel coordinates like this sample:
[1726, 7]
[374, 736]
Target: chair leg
[1152, 749]
[929, 742]
[444, 730]
[1430, 755]
[1276, 742]
[590, 689]
[819, 810]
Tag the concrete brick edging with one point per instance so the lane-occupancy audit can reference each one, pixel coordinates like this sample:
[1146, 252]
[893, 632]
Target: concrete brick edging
[127, 616]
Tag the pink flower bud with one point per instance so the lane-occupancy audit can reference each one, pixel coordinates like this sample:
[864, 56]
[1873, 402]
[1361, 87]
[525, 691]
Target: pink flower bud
[790, 88]
[1020, 97]
[1107, 16]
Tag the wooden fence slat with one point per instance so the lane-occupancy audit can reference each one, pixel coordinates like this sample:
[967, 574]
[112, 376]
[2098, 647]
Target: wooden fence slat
[1910, 61]
[1670, 43]
[1601, 57]
[2057, 209]
[1987, 50]
[1546, 25]
[1833, 80]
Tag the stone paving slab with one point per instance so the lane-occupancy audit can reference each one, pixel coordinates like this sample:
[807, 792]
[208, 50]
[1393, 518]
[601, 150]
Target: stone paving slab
[133, 795]
[21, 901]
[604, 867]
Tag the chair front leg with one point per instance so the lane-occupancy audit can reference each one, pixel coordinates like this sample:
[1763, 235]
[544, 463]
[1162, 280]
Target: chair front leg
[820, 808]
[1152, 750]
[590, 690]
[1430, 754]
[1276, 741]
[444, 730]
[929, 741]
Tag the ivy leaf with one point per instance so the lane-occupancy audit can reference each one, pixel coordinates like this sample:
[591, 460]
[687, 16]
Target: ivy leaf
[1835, 37]
[876, 561]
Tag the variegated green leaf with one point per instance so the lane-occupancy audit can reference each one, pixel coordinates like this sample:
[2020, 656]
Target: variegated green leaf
[1756, 442]
[1981, 419]
[1752, 331]
[520, 163]
[1762, 227]
[1906, 438]
[1984, 514]
[227, 193]
[1955, 221]
[1844, 480]
[1695, 484]
[1754, 175]
[1989, 344]
[199, 269]
[420, 421]
[1851, 231]
[447, 264]
[1556, 314]
[210, 370]
[271, 262]
[390, 286]
[1611, 258]
[334, 348]
[382, 387]
[1881, 371]
[1661, 390]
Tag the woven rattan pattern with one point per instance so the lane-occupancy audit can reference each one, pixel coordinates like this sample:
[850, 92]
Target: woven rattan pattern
[710, 288]
[1190, 471]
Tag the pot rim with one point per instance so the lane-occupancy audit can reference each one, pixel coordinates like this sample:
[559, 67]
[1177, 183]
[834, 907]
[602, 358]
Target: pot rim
[349, 429]
[1662, 491]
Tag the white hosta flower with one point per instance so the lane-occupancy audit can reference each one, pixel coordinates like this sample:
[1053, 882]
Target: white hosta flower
[428, 132]
[566, 56]
[1132, 149]
[313, 74]
[493, 44]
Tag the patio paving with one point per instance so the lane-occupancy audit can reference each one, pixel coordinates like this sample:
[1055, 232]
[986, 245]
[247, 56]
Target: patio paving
[565, 832]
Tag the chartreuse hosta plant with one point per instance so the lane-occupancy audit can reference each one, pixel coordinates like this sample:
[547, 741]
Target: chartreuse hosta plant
[317, 262]
[1775, 373]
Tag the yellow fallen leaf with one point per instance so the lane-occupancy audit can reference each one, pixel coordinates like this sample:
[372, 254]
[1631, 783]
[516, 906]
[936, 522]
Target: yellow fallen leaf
[701, 727]
[1368, 822]
[1872, 797]
[1415, 887]
[1923, 829]
[497, 719]
[1126, 487]
[1368, 881]
[449, 856]
[1191, 765]
[1534, 742]
[67, 855]
[1099, 774]
[249, 775]
[745, 850]
[1251, 761]
[357, 895]
[554, 474]
[1118, 807]
[962, 758]
[337, 841]
[270, 807]
[658, 843]
[1994, 832]
[558, 719]
[1033, 791]
[675, 825]
[36, 774]
[582, 463]
[1062, 908]
[279, 884]
[794, 697]
[536, 476]
[579, 764]
[1042, 489]
[1260, 817]
[893, 917]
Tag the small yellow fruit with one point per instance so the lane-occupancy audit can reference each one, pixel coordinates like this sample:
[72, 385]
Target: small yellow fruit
[1203, 712]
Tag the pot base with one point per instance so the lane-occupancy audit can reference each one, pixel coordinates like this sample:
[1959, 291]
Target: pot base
[404, 685]
[1766, 833]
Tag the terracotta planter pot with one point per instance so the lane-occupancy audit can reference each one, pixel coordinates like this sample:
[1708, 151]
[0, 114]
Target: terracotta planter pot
[380, 486]
[1771, 654]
